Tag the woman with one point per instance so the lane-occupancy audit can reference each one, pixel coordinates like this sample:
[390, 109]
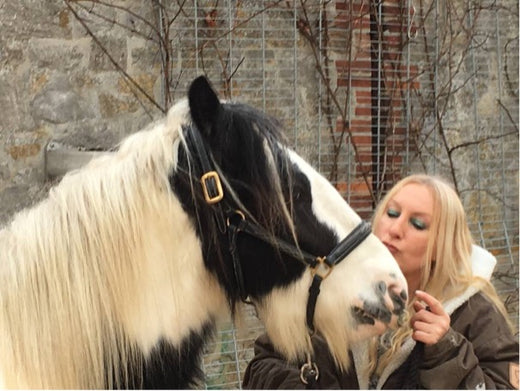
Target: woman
[458, 335]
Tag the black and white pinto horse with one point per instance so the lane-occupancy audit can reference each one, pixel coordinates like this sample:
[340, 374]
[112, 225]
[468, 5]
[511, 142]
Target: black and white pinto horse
[119, 276]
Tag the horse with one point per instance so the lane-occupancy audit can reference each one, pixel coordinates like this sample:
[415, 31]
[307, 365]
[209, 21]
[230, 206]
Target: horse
[120, 275]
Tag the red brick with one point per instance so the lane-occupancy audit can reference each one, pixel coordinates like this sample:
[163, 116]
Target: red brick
[360, 6]
[362, 23]
[391, 9]
[360, 126]
[362, 139]
[361, 64]
[365, 158]
[364, 101]
[341, 187]
[358, 187]
[367, 83]
[363, 93]
[364, 111]
[358, 201]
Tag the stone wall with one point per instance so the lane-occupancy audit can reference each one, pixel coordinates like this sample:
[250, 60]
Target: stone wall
[55, 83]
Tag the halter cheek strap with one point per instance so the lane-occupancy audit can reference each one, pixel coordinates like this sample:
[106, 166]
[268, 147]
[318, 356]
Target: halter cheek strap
[233, 231]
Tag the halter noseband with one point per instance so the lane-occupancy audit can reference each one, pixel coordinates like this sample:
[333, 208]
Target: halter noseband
[236, 222]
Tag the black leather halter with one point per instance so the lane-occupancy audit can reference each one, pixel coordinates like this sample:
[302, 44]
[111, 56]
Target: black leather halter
[234, 222]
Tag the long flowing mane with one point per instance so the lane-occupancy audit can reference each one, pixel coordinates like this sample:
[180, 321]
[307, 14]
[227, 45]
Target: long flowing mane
[71, 265]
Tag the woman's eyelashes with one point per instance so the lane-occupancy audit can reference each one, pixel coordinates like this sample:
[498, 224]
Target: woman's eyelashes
[393, 213]
[416, 222]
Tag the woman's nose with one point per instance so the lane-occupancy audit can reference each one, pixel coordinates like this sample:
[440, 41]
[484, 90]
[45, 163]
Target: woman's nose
[396, 228]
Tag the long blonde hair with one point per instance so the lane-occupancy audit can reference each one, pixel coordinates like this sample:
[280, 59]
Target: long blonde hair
[447, 270]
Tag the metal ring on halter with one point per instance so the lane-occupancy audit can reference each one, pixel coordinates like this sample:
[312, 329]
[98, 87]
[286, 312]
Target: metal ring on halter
[309, 371]
[322, 268]
[238, 212]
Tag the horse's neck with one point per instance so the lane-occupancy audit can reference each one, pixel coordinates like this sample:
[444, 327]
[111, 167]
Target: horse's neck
[175, 293]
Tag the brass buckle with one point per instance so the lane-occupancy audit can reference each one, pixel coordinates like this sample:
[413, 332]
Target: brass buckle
[322, 269]
[220, 193]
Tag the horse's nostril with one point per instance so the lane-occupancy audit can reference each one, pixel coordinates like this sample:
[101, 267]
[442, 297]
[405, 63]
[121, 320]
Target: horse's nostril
[399, 300]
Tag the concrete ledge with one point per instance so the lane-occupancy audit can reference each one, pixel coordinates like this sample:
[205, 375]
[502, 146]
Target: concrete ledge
[61, 158]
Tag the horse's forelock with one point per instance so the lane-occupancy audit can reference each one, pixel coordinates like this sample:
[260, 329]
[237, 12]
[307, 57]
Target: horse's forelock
[267, 165]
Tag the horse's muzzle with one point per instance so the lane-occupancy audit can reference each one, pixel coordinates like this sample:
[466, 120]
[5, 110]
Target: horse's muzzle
[390, 302]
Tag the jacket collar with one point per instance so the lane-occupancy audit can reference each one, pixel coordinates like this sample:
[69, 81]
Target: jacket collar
[482, 263]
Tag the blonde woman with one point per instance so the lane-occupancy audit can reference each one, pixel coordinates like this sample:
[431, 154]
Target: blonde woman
[458, 335]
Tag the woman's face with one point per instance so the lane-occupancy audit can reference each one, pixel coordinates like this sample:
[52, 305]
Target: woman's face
[404, 228]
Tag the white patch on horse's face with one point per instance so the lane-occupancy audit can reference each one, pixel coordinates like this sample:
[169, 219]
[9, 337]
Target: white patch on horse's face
[367, 277]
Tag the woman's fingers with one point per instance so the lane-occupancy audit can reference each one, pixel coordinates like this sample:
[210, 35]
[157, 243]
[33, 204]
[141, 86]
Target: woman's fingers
[434, 305]
[430, 322]
[418, 306]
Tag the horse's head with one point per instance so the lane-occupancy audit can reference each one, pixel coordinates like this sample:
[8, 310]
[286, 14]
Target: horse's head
[270, 226]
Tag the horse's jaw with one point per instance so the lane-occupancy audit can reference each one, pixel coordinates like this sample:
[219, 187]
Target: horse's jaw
[286, 327]
[282, 311]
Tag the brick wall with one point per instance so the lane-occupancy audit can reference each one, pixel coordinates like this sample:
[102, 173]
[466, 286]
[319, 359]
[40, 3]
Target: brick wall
[371, 71]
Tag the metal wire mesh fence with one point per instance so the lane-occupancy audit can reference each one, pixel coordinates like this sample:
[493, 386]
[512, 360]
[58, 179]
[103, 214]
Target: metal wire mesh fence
[370, 91]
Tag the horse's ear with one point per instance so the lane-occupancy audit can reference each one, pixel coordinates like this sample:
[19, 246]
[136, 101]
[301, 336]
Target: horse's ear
[204, 104]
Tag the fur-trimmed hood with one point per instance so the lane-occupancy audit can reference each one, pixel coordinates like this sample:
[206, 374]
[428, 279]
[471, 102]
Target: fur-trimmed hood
[483, 264]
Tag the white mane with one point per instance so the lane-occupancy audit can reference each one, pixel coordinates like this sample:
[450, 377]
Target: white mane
[93, 274]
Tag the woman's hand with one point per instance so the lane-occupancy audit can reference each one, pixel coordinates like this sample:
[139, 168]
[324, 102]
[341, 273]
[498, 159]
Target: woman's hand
[430, 322]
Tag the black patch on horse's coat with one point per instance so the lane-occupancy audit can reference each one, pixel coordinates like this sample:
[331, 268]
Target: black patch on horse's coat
[171, 367]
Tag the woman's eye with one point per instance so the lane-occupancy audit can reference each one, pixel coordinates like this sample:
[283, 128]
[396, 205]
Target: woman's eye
[418, 224]
[392, 213]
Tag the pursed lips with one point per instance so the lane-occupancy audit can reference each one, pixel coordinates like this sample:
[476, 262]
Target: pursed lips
[392, 249]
